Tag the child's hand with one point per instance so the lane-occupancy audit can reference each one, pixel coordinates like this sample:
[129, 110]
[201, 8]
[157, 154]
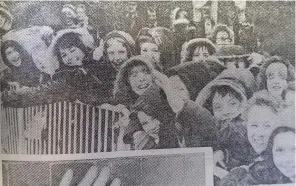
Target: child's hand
[90, 177]
[162, 80]
[174, 100]
[219, 158]
[124, 120]
[98, 52]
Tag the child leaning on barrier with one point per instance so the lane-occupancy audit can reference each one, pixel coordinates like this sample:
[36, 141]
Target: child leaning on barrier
[150, 124]
[187, 80]
[225, 97]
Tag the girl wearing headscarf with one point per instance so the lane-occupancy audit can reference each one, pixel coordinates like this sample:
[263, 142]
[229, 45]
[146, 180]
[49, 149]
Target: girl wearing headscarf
[156, 43]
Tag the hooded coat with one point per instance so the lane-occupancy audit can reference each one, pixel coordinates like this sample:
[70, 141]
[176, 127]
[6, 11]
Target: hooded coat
[196, 75]
[129, 41]
[89, 83]
[152, 102]
[232, 135]
[27, 42]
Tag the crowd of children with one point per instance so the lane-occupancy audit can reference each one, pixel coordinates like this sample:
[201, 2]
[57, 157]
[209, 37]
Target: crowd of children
[204, 92]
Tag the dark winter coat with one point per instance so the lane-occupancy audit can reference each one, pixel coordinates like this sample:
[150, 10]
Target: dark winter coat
[153, 103]
[232, 135]
[196, 75]
[259, 172]
[199, 129]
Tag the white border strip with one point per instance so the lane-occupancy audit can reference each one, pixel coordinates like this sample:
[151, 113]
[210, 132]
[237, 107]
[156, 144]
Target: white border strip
[63, 157]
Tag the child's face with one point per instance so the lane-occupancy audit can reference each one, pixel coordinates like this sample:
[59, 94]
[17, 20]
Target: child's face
[179, 87]
[13, 56]
[2, 20]
[182, 15]
[150, 50]
[200, 53]
[140, 79]
[259, 126]
[72, 56]
[117, 53]
[226, 108]
[222, 38]
[276, 78]
[149, 124]
[284, 153]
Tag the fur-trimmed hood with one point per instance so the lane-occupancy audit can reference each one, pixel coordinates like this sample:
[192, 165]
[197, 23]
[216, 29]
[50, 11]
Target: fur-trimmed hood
[190, 46]
[240, 80]
[33, 41]
[122, 90]
[82, 34]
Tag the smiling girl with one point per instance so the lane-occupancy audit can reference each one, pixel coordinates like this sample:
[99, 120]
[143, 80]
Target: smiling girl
[78, 70]
[23, 69]
[156, 43]
[275, 75]
[151, 122]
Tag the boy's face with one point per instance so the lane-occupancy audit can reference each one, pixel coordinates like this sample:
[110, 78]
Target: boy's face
[117, 53]
[200, 53]
[222, 38]
[140, 79]
[72, 56]
[149, 124]
[283, 152]
[2, 20]
[13, 56]
[276, 74]
[259, 126]
[227, 107]
[150, 50]
[179, 87]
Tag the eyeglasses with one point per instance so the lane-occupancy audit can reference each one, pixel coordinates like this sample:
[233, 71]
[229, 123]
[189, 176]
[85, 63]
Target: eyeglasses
[222, 39]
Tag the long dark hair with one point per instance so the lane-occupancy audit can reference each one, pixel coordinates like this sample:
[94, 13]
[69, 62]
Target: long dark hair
[27, 74]
[262, 79]
[26, 58]
[68, 40]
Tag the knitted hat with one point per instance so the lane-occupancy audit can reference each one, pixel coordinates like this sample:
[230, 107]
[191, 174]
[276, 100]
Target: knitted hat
[4, 11]
[191, 45]
[240, 80]
[194, 75]
[122, 88]
[129, 41]
[32, 41]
